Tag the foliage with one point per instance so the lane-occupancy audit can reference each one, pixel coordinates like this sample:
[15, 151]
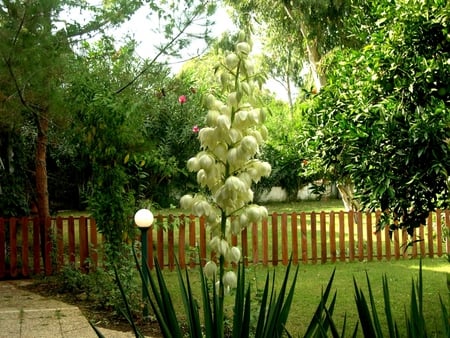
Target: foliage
[99, 285]
[383, 117]
[272, 314]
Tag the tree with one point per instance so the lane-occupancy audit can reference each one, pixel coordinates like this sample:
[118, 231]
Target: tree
[384, 115]
[39, 67]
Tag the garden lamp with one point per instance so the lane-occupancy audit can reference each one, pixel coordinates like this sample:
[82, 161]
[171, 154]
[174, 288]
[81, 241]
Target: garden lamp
[144, 219]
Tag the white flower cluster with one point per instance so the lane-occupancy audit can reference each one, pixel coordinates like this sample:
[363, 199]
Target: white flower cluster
[227, 165]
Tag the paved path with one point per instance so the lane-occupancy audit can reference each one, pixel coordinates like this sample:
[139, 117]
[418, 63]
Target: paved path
[24, 314]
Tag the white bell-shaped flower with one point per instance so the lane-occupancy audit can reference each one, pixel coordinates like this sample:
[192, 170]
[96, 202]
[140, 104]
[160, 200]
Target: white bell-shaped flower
[234, 255]
[193, 164]
[230, 279]
[211, 118]
[186, 202]
[210, 270]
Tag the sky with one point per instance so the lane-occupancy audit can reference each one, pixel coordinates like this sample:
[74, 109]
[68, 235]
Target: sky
[140, 27]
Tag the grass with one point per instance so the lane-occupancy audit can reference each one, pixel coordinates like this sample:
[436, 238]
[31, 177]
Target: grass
[313, 278]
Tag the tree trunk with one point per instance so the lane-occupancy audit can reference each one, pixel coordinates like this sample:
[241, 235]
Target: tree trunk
[41, 177]
[41, 166]
[313, 59]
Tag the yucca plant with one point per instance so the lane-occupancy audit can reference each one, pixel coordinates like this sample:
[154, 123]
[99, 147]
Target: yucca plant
[274, 306]
[414, 319]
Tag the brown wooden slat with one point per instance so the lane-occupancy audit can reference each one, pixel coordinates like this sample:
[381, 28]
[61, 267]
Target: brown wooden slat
[313, 237]
[13, 247]
[430, 237]
[369, 231]
[170, 243]
[265, 242]
[304, 237]
[332, 237]
[25, 258]
[192, 240]
[203, 243]
[59, 244]
[404, 243]
[150, 247]
[439, 232]
[294, 231]
[274, 239]
[48, 246]
[94, 243]
[342, 246]
[244, 243]
[387, 243]
[182, 242]
[396, 244]
[255, 243]
[414, 247]
[422, 242]
[36, 247]
[71, 235]
[378, 234]
[323, 238]
[359, 227]
[83, 238]
[171, 249]
[160, 246]
[284, 239]
[351, 235]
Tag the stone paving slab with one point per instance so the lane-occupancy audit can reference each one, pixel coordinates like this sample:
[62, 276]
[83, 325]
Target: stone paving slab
[24, 314]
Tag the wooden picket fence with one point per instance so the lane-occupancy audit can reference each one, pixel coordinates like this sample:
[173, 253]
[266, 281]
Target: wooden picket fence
[306, 237]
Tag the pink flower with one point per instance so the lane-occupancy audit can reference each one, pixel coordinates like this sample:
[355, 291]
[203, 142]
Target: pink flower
[195, 129]
[182, 99]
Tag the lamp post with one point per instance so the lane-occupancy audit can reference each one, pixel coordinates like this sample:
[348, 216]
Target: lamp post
[144, 219]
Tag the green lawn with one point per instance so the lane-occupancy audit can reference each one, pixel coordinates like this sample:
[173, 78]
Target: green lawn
[313, 278]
